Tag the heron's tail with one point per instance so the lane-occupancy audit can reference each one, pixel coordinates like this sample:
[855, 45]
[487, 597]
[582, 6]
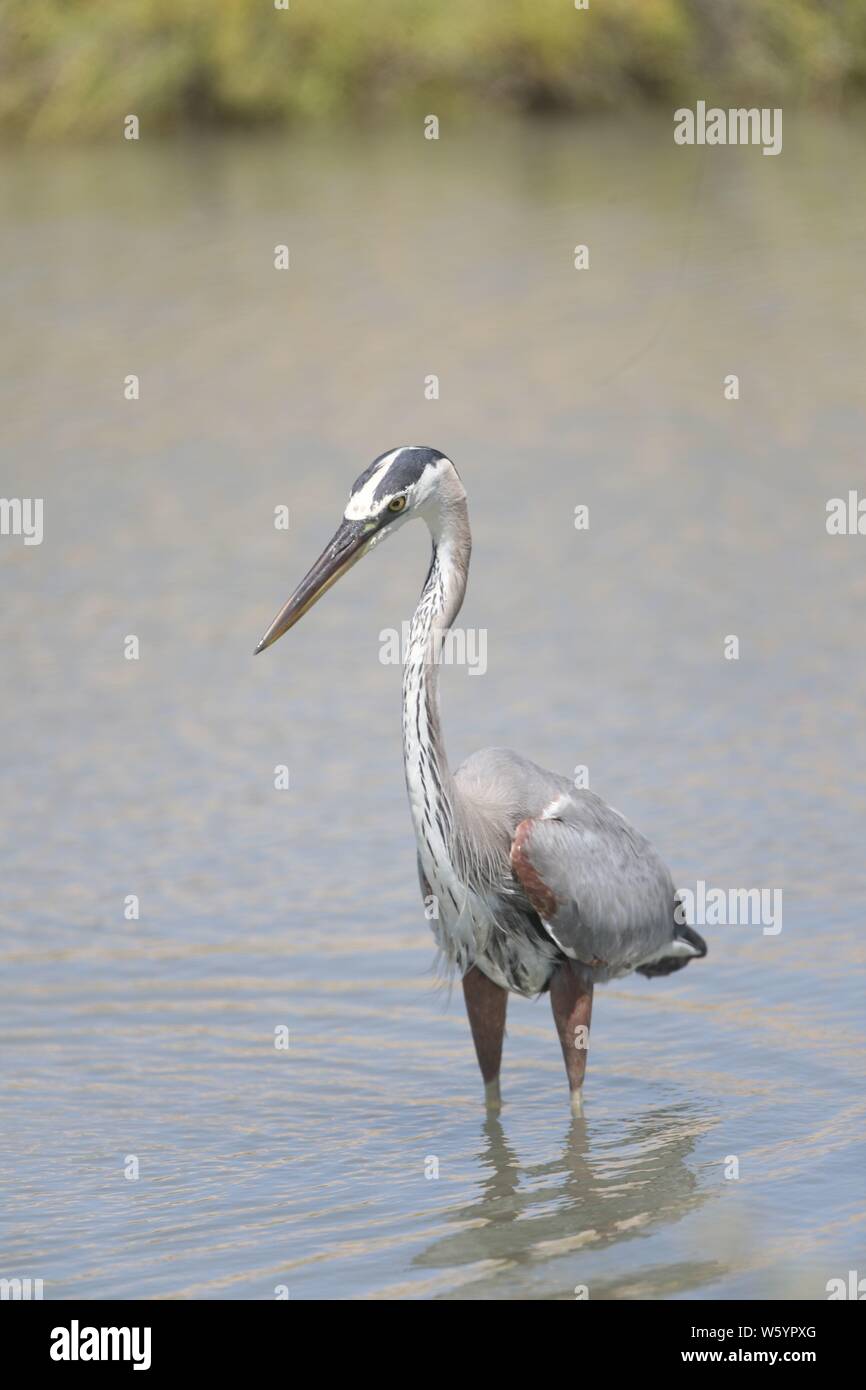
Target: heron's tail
[687, 945]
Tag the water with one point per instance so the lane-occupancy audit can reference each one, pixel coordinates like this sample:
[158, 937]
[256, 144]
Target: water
[261, 909]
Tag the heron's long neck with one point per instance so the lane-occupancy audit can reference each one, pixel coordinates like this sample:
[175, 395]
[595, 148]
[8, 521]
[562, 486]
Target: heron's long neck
[428, 777]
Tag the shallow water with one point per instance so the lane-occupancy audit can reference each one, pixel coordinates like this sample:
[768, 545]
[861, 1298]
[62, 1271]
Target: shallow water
[306, 1168]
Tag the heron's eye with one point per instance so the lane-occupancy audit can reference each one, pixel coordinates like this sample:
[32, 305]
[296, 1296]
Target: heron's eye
[396, 504]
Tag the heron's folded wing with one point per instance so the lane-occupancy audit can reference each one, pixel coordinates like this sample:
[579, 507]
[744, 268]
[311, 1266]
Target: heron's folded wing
[597, 884]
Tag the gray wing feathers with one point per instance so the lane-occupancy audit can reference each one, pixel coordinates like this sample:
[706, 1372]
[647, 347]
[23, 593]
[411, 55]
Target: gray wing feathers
[610, 900]
[601, 891]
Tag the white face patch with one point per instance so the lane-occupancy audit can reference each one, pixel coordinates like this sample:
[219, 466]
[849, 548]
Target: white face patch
[363, 503]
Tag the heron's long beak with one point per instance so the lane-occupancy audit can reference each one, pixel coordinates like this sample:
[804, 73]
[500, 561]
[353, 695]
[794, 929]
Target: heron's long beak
[343, 551]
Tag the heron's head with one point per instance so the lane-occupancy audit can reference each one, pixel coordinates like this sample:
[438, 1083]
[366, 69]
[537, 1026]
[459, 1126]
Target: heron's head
[404, 483]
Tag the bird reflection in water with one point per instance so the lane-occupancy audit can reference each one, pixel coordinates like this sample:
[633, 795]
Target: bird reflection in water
[593, 1195]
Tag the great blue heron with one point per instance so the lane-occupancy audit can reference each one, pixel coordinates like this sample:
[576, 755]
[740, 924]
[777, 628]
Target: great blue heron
[538, 885]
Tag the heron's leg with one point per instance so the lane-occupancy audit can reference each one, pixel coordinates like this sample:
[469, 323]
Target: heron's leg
[571, 1000]
[485, 1004]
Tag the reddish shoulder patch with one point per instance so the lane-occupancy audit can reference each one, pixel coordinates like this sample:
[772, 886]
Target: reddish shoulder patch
[536, 889]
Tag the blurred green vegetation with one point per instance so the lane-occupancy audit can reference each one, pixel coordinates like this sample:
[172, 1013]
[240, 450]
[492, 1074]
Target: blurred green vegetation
[76, 67]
